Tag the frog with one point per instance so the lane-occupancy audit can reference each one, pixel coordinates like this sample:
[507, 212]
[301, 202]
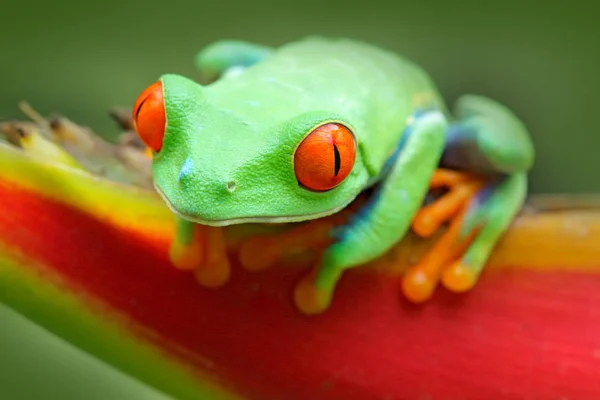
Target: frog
[295, 133]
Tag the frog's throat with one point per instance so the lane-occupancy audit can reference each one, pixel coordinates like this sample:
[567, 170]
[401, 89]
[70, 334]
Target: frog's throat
[252, 220]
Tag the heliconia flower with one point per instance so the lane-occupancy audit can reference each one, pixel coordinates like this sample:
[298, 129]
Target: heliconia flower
[88, 258]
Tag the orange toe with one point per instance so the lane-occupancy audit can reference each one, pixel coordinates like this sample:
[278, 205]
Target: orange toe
[216, 270]
[458, 277]
[188, 256]
[417, 286]
[420, 280]
[215, 274]
[431, 217]
[309, 298]
[447, 178]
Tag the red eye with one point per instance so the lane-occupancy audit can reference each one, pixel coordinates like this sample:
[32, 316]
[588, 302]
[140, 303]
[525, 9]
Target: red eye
[325, 157]
[149, 116]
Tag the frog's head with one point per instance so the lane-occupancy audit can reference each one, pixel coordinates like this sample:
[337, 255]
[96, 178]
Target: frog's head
[217, 166]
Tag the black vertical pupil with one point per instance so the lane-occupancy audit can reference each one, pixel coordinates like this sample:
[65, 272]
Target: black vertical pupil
[137, 112]
[337, 160]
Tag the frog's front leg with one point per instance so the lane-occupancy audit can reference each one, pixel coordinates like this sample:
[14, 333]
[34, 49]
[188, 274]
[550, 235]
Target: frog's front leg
[229, 57]
[489, 152]
[201, 249]
[384, 219]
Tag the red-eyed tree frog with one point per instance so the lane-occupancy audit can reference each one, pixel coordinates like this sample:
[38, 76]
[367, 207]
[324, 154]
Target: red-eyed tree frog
[296, 133]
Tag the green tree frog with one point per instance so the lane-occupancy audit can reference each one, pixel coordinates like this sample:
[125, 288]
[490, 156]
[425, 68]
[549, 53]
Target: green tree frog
[296, 133]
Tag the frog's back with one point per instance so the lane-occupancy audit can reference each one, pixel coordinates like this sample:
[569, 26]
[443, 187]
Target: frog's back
[375, 89]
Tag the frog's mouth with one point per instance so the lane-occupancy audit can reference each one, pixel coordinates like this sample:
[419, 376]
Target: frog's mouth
[252, 219]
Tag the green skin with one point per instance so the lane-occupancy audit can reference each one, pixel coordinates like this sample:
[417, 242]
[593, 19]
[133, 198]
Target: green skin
[228, 149]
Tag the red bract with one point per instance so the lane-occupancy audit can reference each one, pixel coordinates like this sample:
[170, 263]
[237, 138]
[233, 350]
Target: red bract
[87, 259]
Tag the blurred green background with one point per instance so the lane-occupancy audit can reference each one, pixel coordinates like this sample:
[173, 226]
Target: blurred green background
[82, 58]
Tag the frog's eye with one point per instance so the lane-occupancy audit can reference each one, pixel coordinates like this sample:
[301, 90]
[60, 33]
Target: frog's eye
[325, 157]
[149, 116]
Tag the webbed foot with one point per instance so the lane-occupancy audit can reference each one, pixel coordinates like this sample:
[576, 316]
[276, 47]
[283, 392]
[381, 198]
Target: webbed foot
[461, 188]
[201, 249]
[188, 246]
[261, 252]
[420, 280]
[215, 269]
[478, 211]
[314, 292]
[311, 296]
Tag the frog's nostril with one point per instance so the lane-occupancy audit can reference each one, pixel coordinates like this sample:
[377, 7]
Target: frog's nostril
[231, 186]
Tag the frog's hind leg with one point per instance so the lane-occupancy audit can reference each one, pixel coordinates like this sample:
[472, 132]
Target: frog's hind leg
[489, 152]
[227, 58]
[487, 138]
[477, 220]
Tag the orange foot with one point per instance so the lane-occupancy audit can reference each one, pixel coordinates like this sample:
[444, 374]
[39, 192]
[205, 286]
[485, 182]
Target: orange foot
[261, 252]
[205, 255]
[420, 280]
[264, 251]
[188, 256]
[310, 297]
[215, 270]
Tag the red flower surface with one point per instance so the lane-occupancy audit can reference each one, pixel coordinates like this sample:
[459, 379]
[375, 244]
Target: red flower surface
[87, 259]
